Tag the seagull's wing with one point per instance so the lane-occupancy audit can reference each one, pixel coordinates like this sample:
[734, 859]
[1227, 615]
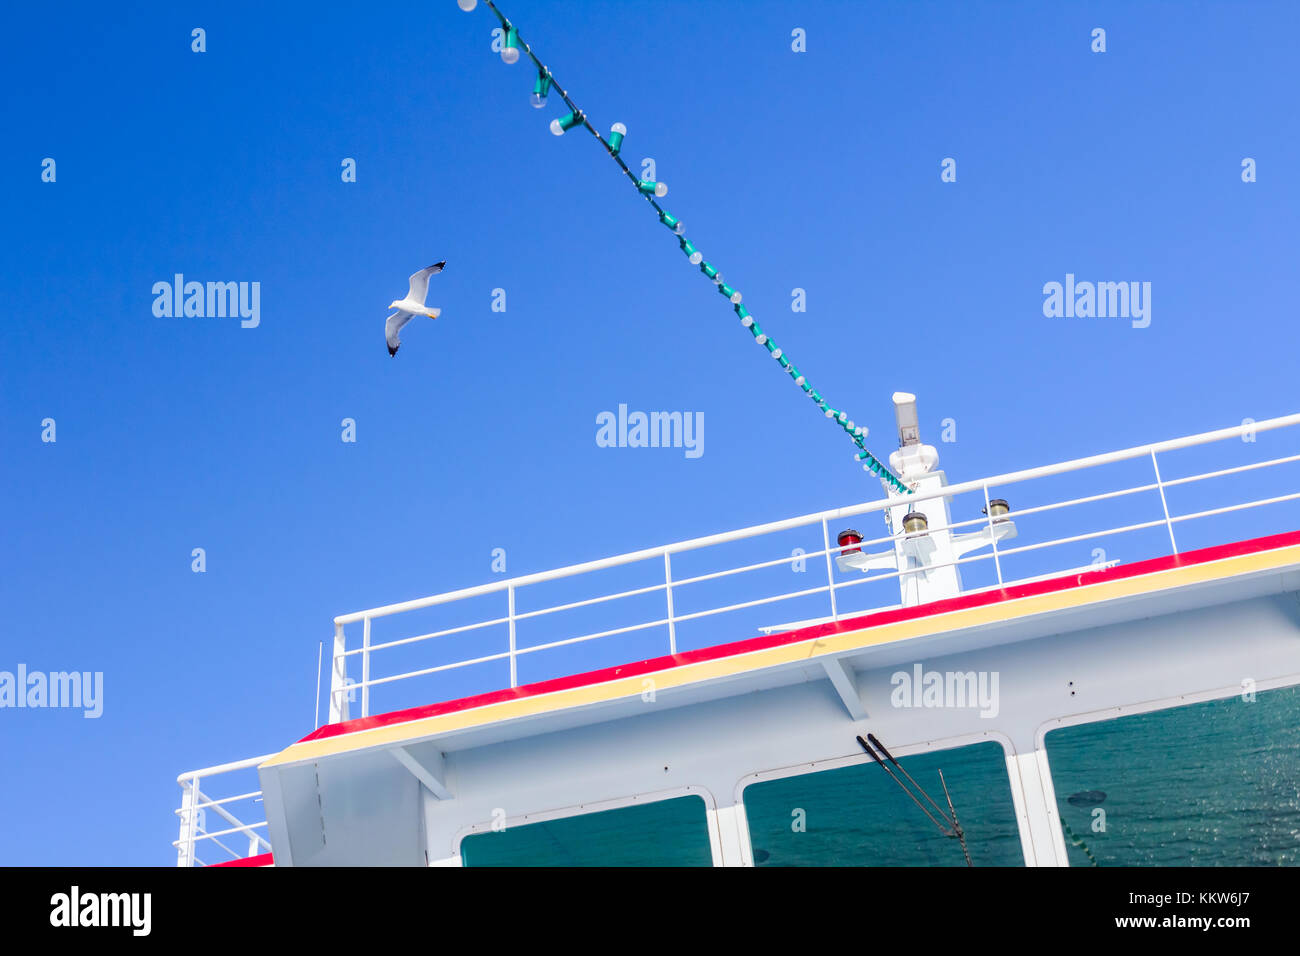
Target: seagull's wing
[420, 282]
[392, 326]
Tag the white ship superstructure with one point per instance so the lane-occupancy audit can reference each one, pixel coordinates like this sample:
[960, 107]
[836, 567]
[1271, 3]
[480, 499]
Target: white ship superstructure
[1085, 591]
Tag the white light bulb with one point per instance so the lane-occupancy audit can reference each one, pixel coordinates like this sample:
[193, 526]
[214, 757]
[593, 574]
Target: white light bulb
[761, 339]
[661, 190]
[799, 381]
[467, 5]
[849, 426]
[537, 99]
[776, 353]
[735, 298]
[680, 228]
[618, 128]
[830, 413]
[696, 258]
[510, 54]
[556, 128]
[747, 321]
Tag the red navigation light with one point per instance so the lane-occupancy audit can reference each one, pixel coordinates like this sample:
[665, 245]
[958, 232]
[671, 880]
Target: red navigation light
[849, 537]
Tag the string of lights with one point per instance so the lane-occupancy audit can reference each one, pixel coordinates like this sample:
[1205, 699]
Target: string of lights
[513, 45]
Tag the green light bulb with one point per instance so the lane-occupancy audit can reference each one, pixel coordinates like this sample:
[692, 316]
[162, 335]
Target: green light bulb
[566, 122]
[510, 50]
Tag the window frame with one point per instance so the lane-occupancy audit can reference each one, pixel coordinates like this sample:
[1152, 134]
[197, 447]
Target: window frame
[835, 763]
[599, 806]
[1130, 710]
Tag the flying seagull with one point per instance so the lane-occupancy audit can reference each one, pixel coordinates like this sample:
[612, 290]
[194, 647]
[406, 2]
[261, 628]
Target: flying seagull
[411, 306]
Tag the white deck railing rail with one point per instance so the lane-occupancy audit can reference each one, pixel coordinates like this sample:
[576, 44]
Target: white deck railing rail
[342, 689]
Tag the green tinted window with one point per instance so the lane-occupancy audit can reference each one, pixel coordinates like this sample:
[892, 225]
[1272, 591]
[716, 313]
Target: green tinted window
[663, 833]
[1213, 783]
[858, 816]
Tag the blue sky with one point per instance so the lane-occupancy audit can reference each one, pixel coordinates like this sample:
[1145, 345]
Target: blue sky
[817, 170]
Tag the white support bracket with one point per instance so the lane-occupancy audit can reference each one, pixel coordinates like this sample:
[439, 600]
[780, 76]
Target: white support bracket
[841, 676]
[1004, 529]
[429, 770]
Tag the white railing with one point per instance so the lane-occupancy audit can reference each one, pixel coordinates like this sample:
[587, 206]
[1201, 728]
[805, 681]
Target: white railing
[508, 648]
[195, 834]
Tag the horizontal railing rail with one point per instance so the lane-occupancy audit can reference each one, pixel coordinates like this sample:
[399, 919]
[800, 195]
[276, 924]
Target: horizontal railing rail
[344, 689]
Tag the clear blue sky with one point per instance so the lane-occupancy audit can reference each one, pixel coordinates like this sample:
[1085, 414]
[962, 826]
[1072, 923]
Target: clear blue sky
[818, 170]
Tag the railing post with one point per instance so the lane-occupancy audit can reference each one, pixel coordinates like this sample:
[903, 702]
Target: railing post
[320, 652]
[510, 599]
[189, 797]
[365, 667]
[997, 562]
[1160, 485]
[668, 589]
[830, 574]
[253, 843]
[338, 678]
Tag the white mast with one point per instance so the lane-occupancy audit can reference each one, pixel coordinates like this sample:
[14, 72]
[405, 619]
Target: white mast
[924, 548]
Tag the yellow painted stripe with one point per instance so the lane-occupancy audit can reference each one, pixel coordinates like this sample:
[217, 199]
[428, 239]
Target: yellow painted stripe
[684, 674]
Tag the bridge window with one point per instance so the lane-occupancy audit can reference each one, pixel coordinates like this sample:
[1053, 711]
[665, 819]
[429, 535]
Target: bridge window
[1207, 784]
[858, 816]
[673, 832]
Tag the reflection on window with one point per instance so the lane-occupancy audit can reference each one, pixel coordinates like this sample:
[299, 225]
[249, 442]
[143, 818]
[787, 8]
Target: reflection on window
[1209, 784]
[671, 832]
[858, 816]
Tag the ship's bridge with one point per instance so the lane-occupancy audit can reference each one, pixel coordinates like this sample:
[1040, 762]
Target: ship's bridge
[686, 703]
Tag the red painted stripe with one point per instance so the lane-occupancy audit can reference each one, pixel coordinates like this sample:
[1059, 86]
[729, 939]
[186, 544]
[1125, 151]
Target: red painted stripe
[716, 651]
[262, 859]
